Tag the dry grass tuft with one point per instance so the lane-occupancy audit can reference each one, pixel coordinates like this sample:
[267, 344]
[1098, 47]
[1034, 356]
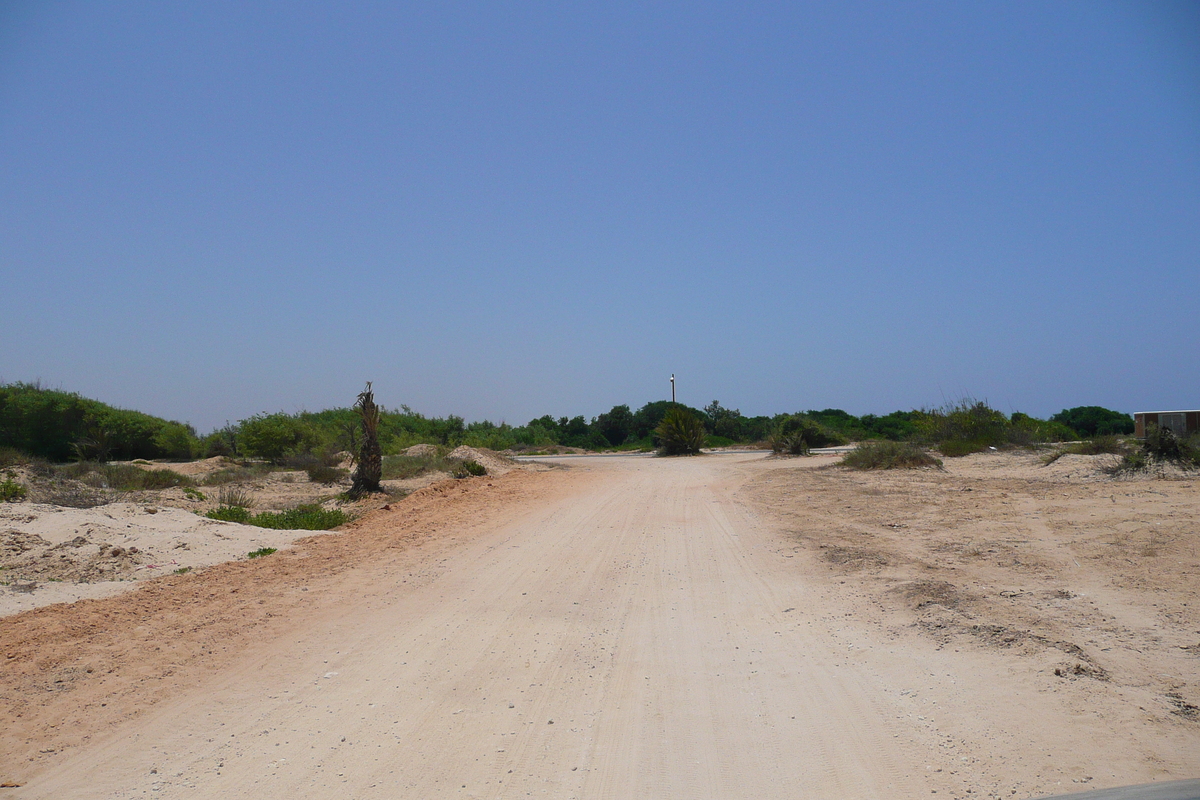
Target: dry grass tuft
[885, 454]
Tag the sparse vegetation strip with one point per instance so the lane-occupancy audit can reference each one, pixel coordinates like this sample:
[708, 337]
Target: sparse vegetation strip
[1096, 445]
[886, 454]
[60, 426]
[1161, 447]
[796, 434]
[469, 469]
[10, 490]
[307, 517]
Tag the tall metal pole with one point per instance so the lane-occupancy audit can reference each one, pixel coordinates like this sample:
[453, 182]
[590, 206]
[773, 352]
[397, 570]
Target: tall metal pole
[672, 387]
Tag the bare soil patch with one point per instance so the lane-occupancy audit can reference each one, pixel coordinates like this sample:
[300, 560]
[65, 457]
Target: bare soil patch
[1087, 584]
[495, 463]
[74, 670]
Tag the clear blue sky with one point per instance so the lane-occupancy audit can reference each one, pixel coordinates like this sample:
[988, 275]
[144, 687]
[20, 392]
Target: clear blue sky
[209, 210]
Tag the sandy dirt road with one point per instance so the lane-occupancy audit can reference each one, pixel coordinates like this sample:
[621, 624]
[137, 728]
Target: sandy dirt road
[631, 629]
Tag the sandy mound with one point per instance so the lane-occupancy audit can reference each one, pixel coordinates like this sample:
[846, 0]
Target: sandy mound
[51, 554]
[1078, 468]
[202, 467]
[495, 463]
[421, 450]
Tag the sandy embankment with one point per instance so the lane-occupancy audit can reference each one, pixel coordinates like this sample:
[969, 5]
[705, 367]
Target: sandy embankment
[54, 554]
[69, 554]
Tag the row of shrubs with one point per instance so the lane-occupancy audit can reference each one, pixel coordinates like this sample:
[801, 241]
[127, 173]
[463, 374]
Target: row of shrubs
[59, 426]
[958, 429]
[62, 426]
[82, 485]
[123, 477]
[968, 426]
[279, 436]
[120, 477]
[1161, 446]
[307, 517]
[681, 433]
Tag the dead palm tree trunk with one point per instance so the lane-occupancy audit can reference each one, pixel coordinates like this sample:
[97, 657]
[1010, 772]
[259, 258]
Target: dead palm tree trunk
[370, 457]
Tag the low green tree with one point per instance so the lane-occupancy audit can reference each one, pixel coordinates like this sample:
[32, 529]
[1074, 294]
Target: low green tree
[896, 426]
[615, 425]
[275, 437]
[1095, 420]
[843, 422]
[679, 433]
[723, 421]
[796, 433]
[176, 440]
[1024, 429]
[369, 470]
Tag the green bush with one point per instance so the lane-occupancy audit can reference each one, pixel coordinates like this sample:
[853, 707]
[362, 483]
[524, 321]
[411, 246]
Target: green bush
[122, 477]
[86, 471]
[1095, 420]
[234, 497]
[177, 441]
[971, 426]
[886, 454]
[310, 517]
[403, 467]
[1051, 431]
[338, 429]
[305, 460]
[1161, 444]
[647, 418]
[1026, 430]
[1137, 461]
[967, 426]
[163, 479]
[790, 443]
[724, 423]
[846, 425]
[11, 457]
[957, 448]
[238, 474]
[10, 490]
[616, 425]
[319, 473]
[275, 437]
[896, 426]
[262, 551]
[468, 469]
[679, 433]
[221, 442]
[796, 433]
[59, 426]
[230, 514]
